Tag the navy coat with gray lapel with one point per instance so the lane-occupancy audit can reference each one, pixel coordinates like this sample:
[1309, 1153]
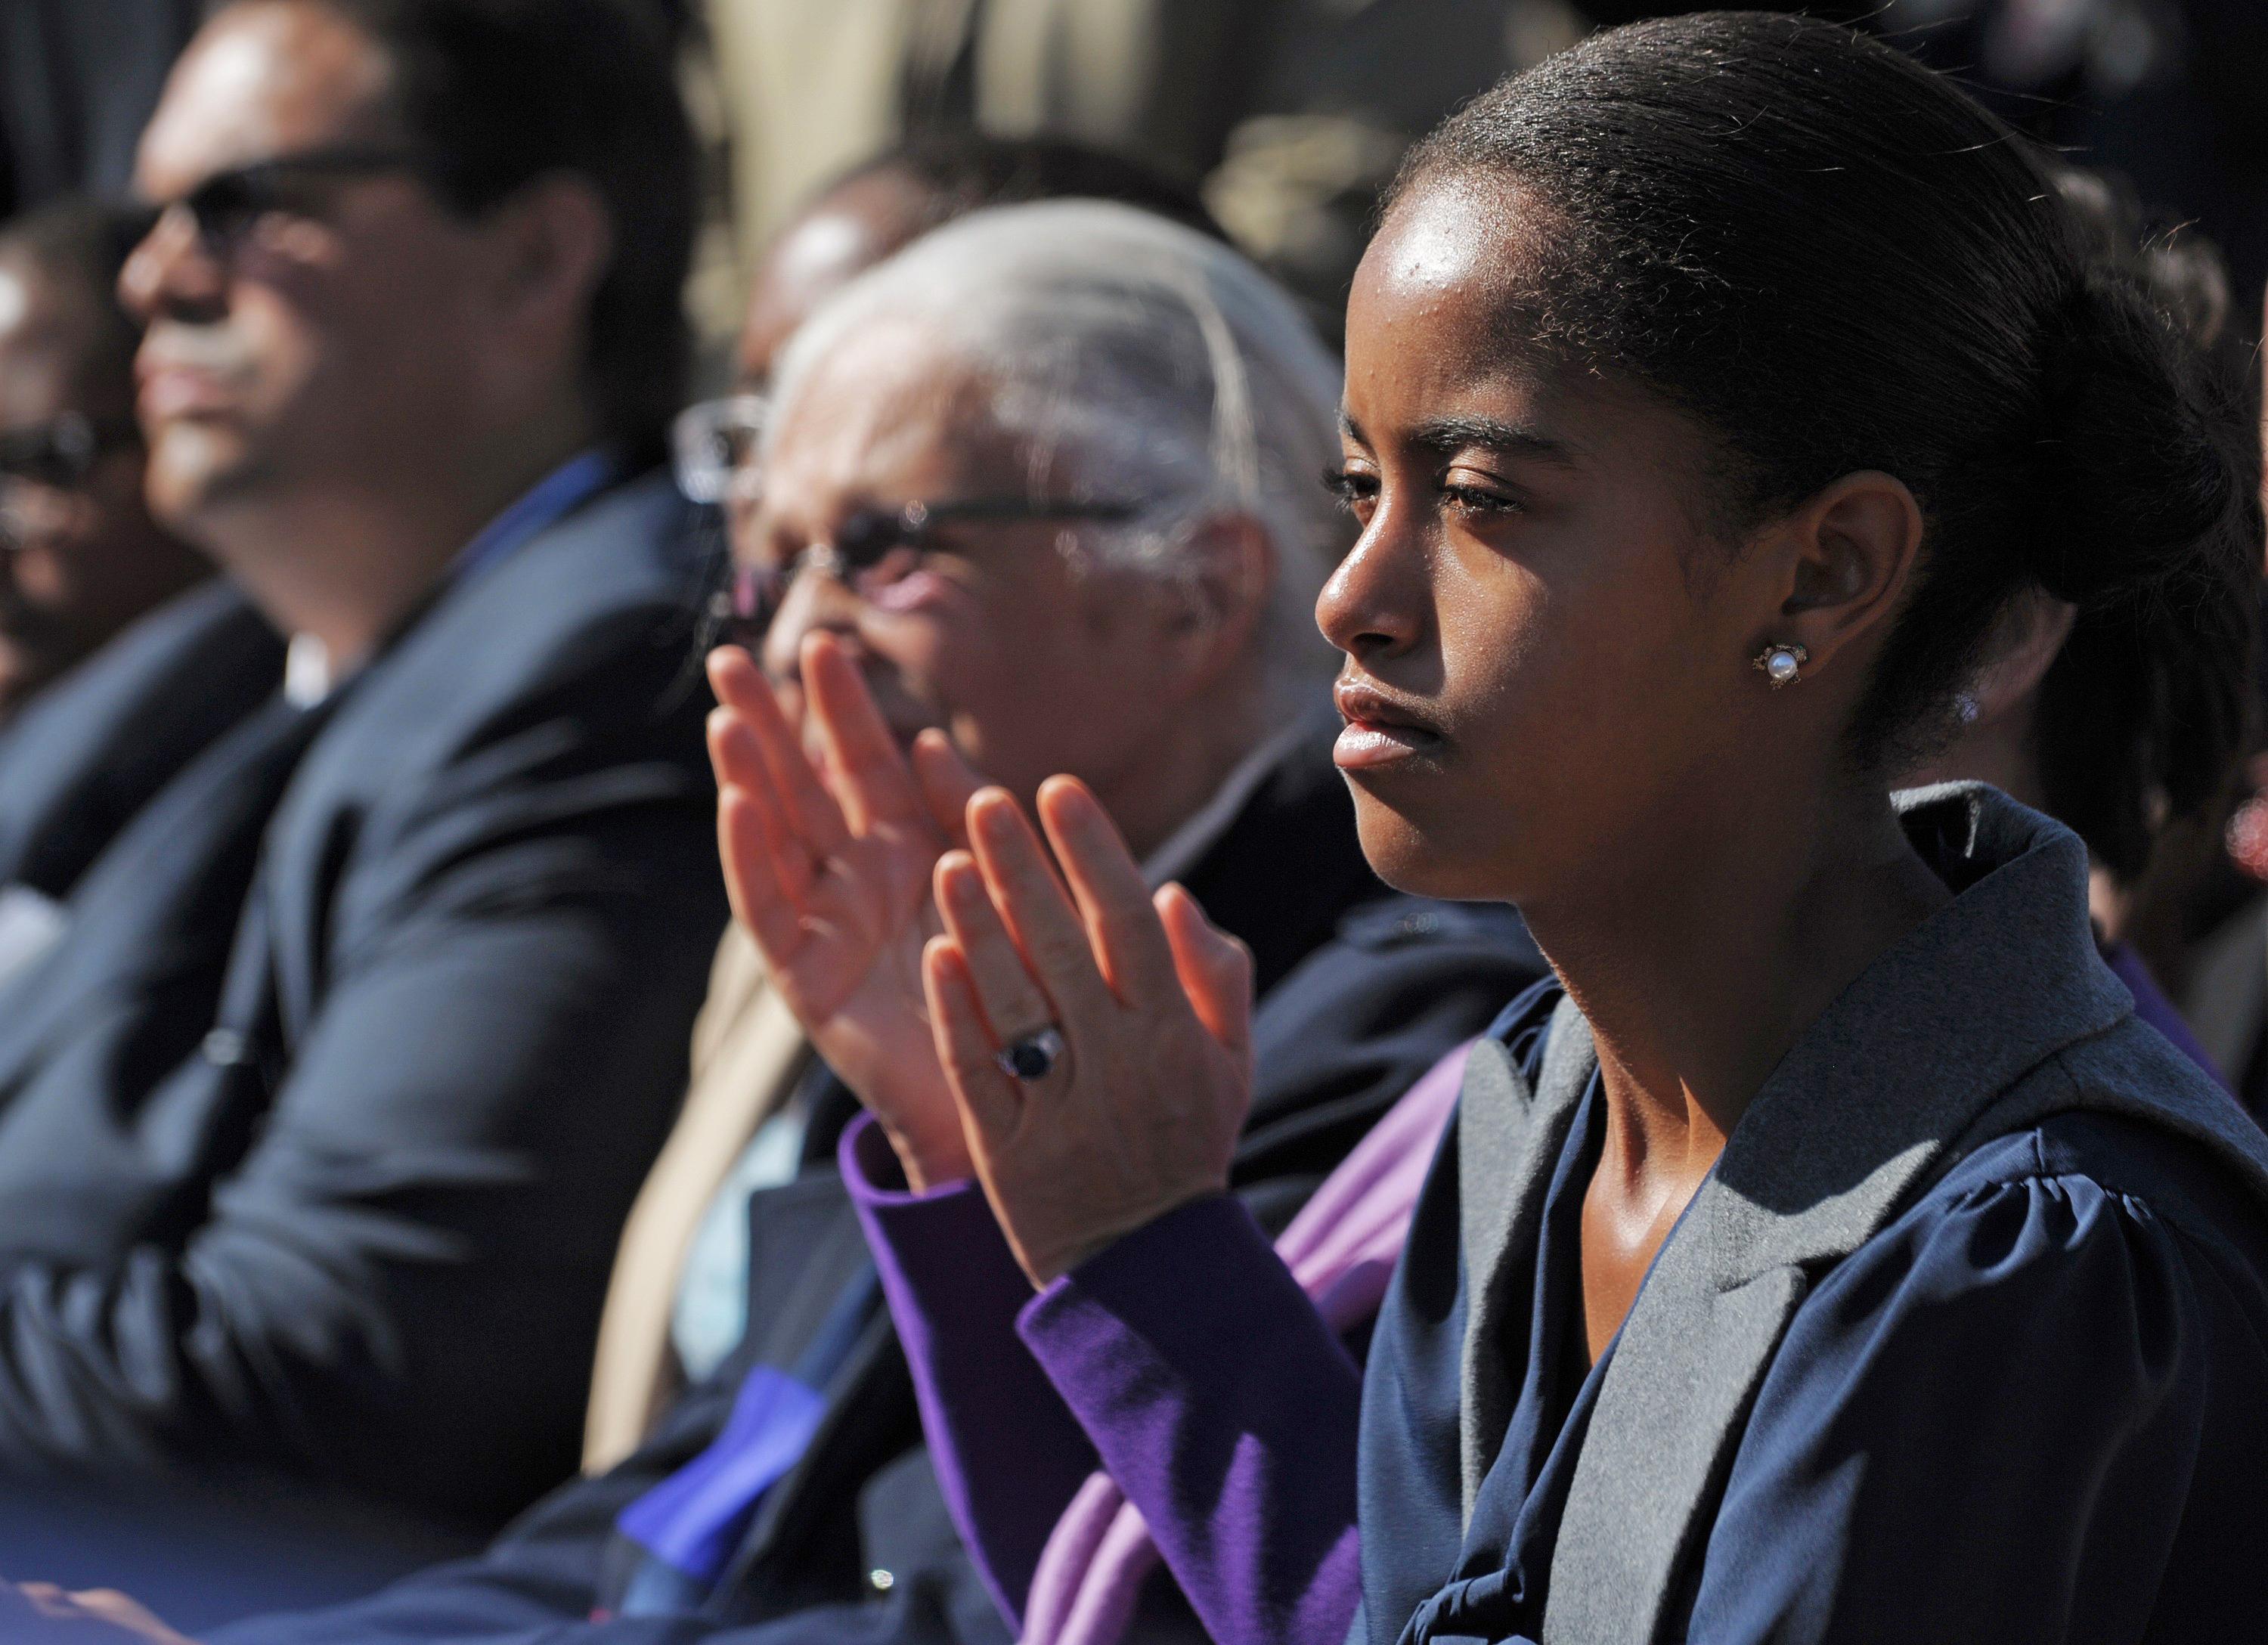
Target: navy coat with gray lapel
[1988, 1060]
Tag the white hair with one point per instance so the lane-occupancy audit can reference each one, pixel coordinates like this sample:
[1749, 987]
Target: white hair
[1178, 375]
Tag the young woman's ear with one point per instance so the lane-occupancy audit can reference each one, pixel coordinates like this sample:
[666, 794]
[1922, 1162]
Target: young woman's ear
[1847, 556]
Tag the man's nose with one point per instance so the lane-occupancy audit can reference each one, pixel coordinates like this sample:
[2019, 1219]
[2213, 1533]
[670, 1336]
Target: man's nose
[171, 272]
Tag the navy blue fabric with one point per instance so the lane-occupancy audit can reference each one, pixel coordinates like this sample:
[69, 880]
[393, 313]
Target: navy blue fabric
[2031, 1409]
[1360, 992]
[80, 762]
[317, 1126]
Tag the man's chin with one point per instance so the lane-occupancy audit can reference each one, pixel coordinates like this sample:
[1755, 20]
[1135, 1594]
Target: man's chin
[197, 469]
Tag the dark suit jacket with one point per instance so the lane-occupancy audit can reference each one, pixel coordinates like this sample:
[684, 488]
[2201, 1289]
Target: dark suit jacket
[1360, 992]
[92, 750]
[318, 1126]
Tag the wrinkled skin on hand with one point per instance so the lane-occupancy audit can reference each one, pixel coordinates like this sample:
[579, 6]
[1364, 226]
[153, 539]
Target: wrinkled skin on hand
[1142, 1111]
[829, 867]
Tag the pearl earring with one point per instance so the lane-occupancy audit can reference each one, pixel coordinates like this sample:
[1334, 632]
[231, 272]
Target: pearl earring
[1783, 664]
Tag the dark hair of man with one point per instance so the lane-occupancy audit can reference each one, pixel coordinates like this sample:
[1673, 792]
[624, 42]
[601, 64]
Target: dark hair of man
[965, 171]
[79, 245]
[499, 92]
[1836, 261]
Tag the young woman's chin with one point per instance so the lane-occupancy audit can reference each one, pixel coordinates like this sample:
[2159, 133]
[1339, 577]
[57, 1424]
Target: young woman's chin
[1415, 855]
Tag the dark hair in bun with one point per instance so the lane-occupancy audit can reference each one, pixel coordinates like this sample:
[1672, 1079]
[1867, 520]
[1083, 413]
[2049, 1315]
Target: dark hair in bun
[2140, 714]
[1838, 260]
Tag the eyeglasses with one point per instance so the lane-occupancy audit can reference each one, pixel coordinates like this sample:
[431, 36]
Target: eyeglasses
[856, 554]
[227, 205]
[44, 470]
[60, 454]
[714, 445]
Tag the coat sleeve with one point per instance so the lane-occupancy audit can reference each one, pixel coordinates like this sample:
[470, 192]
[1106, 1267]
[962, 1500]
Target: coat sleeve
[391, 1278]
[1989, 1425]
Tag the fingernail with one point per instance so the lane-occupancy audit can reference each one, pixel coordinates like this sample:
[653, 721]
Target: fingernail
[996, 817]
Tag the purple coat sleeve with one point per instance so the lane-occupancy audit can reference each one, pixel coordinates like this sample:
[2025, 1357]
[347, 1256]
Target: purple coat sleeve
[1226, 1411]
[1185, 1355]
[1008, 1454]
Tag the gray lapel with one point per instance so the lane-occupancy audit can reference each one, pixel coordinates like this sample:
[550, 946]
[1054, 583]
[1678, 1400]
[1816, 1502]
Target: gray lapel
[1990, 1016]
[1509, 1140]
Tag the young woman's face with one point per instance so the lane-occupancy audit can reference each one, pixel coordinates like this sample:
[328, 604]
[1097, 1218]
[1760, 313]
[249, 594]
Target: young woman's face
[1549, 660]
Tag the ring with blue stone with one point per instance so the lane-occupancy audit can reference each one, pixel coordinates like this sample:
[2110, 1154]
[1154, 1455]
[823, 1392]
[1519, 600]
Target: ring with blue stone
[1034, 1056]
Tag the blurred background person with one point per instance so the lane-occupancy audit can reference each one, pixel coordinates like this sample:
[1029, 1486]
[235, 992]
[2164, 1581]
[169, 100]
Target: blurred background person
[1289, 113]
[81, 562]
[319, 1118]
[1040, 490]
[886, 203]
[80, 558]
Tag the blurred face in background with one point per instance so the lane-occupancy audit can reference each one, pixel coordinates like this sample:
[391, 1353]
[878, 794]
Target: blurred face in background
[1013, 633]
[79, 556]
[314, 323]
[833, 241]
[830, 243]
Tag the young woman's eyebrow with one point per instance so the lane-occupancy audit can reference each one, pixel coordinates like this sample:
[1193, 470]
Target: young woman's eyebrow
[1447, 436]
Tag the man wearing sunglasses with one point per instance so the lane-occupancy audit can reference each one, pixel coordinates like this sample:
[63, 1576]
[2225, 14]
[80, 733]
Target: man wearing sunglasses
[80, 558]
[319, 1120]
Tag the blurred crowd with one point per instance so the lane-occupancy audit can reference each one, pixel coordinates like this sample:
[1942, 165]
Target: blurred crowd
[531, 527]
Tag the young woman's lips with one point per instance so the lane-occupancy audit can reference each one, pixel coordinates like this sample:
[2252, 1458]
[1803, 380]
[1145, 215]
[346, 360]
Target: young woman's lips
[1377, 734]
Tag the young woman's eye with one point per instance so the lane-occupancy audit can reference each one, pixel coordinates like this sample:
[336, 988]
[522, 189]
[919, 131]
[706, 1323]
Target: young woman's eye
[1355, 491]
[1473, 503]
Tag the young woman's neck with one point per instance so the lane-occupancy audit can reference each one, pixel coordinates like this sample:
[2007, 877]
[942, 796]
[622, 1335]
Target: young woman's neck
[1700, 968]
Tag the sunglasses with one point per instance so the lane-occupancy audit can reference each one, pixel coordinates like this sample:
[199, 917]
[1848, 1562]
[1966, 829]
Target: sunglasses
[226, 206]
[867, 538]
[61, 452]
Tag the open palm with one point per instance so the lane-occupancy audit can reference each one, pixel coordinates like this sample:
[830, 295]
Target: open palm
[830, 873]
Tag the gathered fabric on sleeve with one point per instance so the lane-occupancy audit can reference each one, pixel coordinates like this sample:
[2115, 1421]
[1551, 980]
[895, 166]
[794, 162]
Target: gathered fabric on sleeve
[2031, 1410]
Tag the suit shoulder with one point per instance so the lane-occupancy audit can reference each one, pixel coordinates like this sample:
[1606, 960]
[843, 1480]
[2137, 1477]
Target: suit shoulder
[593, 621]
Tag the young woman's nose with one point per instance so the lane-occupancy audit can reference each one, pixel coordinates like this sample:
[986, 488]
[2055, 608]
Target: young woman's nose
[1375, 602]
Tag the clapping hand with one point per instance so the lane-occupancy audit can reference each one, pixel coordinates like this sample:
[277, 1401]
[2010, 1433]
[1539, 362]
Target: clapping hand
[830, 874]
[1151, 1005]
[39, 1613]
